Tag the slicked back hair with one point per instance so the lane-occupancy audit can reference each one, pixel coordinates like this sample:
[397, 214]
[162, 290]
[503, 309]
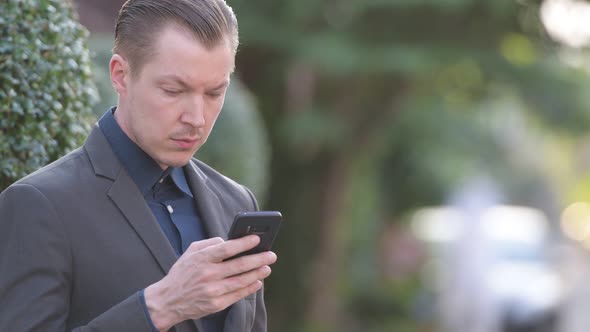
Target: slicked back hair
[211, 22]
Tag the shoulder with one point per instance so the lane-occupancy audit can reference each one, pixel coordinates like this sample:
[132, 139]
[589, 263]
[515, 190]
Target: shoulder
[40, 197]
[223, 186]
[62, 173]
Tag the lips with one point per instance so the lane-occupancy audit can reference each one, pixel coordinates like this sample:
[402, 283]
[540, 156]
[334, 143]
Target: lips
[185, 143]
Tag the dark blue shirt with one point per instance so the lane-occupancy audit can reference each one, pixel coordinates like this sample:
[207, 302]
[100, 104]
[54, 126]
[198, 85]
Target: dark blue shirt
[167, 194]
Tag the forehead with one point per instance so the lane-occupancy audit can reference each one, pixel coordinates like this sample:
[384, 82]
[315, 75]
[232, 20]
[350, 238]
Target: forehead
[177, 52]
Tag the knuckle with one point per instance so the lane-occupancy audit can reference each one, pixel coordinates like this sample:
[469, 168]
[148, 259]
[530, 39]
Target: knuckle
[222, 251]
[209, 292]
[207, 274]
[242, 281]
[241, 264]
[216, 304]
[209, 307]
[230, 287]
[215, 253]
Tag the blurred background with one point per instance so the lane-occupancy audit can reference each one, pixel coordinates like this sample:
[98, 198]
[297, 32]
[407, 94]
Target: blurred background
[431, 158]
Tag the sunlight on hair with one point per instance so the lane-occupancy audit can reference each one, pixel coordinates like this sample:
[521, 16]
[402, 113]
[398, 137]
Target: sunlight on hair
[567, 21]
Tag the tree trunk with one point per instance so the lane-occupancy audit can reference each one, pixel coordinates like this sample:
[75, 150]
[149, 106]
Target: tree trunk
[324, 309]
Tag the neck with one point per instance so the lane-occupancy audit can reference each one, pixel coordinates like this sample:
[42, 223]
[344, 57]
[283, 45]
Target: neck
[119, 112]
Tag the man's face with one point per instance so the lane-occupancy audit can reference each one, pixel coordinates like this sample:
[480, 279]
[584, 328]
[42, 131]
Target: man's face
[170, 106]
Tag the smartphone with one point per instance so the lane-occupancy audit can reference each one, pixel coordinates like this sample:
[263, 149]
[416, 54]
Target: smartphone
[265, 224]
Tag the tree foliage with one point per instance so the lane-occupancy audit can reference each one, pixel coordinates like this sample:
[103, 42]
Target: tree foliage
[46, 91]
[238, 146]
[393, 93]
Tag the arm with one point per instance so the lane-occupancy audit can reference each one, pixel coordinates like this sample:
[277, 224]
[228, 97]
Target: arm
[35, 270]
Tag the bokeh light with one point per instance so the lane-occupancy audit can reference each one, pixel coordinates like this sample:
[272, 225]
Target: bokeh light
[575, 221]
[567, 21]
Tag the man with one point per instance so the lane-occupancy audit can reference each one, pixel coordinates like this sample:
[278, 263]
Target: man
[125, 233]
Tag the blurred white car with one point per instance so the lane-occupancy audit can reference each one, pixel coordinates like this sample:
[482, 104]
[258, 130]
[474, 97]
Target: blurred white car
[493, 271]
[526, 287]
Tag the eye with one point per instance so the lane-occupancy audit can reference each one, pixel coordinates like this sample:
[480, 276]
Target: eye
[172, 92]
[215, 94]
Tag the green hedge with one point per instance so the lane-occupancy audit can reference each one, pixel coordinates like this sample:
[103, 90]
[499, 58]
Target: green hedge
[101, 46]
[239, 146]
[46, 89]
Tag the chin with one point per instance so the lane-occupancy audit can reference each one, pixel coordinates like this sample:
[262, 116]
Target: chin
[176, 162]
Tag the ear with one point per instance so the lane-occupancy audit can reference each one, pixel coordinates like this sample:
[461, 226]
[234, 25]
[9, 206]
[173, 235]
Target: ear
[119, 68]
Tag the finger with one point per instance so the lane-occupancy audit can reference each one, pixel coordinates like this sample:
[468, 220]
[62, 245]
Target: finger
[230, 248]
[234, 283]
[230, 298]
[237, 282]
[199, 245]
[247, 263]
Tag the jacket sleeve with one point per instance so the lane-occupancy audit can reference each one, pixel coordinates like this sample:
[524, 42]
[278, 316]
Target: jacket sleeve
[260, 314]
[36, 274]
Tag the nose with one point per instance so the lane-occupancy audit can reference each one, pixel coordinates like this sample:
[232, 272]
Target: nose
[194, 113]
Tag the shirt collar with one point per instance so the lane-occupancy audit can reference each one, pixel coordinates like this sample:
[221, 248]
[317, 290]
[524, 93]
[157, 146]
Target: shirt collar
[144, 171]
[179, 179]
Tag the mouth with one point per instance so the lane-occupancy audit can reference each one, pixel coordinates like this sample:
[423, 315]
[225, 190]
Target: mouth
[185, 143]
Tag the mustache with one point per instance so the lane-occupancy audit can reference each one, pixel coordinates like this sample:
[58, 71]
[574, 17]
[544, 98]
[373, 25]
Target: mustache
[186, 132]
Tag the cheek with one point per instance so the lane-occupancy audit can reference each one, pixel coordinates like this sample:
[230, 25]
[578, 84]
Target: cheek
[216, 108]
[149, 119]
[159, 114]
[211, 118]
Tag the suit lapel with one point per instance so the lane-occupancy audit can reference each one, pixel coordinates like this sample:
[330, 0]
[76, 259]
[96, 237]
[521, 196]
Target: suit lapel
[236, 317]
[212, 214]
[125, 194]
[130, 202]
[208, 204]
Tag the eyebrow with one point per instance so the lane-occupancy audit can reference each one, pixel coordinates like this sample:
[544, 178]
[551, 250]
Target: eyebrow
[174, 78]
[179, 81]
[221, 85]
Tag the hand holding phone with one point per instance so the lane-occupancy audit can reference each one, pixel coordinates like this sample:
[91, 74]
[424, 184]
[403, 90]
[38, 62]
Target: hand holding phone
[265, 224]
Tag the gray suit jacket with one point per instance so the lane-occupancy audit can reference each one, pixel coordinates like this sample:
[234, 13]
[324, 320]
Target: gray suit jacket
[78, 241]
